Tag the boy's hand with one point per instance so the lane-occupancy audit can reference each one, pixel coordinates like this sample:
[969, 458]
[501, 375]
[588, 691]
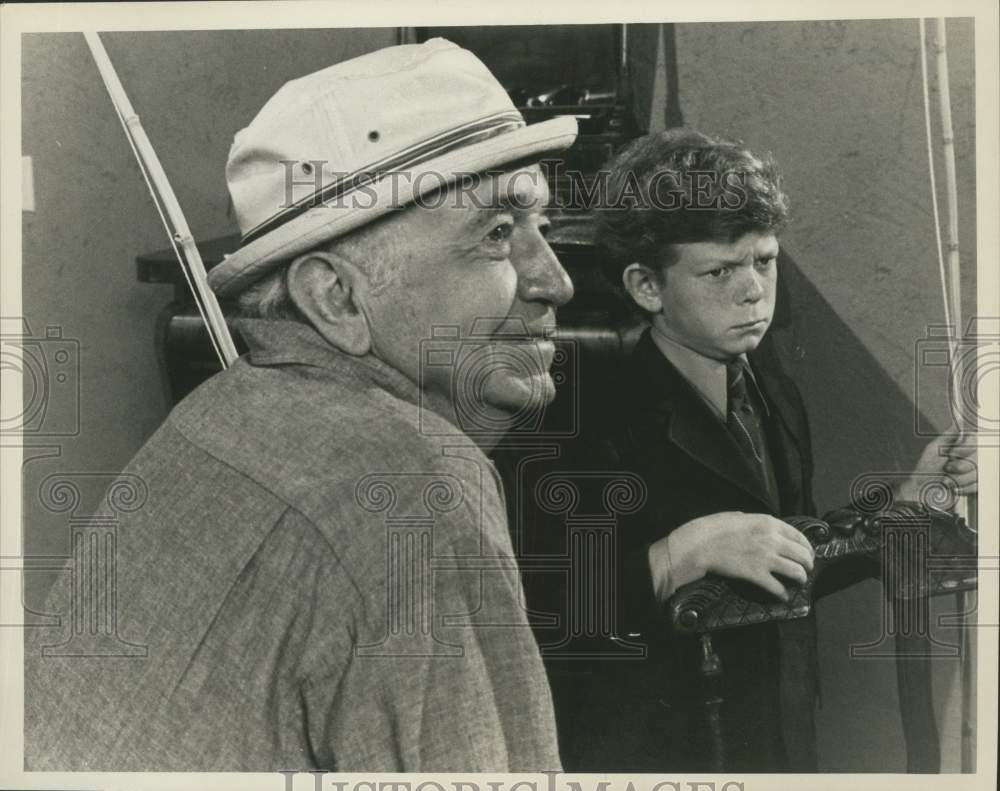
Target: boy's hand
[947, 460]
[752, 547]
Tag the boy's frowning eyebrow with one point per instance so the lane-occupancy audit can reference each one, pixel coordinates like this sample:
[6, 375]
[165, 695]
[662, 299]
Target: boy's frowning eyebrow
[742, 261]
[765, 254]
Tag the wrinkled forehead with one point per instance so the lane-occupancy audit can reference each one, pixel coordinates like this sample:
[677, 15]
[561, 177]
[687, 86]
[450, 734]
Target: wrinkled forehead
[474, 199]
[748, 245]
[517, 188]
[525, 188]
[745, 249]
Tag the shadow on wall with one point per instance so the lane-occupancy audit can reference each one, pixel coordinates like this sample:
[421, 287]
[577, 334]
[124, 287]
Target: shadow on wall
[862, 422]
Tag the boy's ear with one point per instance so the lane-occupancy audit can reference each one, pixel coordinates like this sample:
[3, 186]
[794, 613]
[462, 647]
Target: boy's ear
[643, 286]
[329, 290]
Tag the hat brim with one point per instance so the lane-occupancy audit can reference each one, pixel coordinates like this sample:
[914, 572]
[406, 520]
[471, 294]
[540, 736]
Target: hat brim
[248, 264]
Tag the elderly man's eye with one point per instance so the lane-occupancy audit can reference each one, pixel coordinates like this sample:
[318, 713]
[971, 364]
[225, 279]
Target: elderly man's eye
[501, 233]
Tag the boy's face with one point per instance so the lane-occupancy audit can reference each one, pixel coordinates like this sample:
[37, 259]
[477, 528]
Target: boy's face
[717, 298]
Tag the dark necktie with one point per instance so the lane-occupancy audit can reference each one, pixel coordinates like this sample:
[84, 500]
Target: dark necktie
[742, 419]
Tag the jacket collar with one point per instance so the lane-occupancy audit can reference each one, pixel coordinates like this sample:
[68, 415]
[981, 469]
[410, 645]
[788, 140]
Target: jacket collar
[667, 399]
[707, 376]
[275, 342]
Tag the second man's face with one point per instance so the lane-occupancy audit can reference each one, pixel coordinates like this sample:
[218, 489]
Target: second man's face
[717, 298]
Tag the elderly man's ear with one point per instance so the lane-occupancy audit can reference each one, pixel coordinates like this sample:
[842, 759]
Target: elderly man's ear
[329, 291]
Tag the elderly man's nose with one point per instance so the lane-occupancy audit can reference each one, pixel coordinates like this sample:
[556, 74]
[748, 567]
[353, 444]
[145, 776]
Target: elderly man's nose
[541, 278]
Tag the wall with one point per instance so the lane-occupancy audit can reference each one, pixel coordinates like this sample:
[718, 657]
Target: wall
[193, 91]
[839, 104]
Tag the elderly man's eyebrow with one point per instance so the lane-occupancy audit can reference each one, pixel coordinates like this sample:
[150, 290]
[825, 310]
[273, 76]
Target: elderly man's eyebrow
[515, 200]
[524, 197]
[487, 214]
[523, 202]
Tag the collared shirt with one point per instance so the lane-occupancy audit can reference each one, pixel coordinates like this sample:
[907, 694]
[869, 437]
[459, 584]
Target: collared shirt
[705, 374]
[317, 574]
[708, 378]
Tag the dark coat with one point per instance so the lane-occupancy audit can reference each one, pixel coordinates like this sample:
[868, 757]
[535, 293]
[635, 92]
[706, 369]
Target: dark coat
[646, 714]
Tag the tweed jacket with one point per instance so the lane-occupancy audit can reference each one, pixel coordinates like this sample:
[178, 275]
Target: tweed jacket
[320, 576]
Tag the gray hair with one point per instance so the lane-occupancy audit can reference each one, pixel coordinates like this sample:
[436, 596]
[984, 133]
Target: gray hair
[373, 248]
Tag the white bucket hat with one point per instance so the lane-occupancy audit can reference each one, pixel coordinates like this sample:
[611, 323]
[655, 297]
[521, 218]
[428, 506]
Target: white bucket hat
[334, 150]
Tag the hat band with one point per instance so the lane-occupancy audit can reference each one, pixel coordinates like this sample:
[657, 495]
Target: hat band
[473, 132]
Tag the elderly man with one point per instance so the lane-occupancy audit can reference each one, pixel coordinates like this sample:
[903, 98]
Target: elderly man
[321, 574]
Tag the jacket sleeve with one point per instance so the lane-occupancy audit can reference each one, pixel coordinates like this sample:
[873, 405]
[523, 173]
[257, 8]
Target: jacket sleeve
[637, 610]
